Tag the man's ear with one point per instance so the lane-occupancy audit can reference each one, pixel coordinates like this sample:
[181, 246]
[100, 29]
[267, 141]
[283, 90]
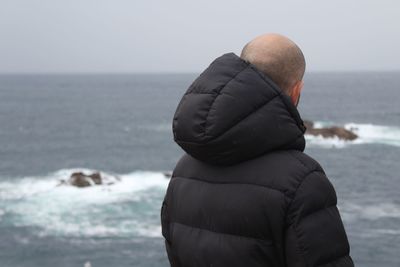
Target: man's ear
[295, 93]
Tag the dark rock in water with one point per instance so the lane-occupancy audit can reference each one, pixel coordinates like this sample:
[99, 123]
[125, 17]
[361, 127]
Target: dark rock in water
[79, 179]
[96, 178]
[329, 132]
[309, 124]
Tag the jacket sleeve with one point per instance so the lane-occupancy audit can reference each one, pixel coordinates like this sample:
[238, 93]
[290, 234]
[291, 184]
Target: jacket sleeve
[315, 234]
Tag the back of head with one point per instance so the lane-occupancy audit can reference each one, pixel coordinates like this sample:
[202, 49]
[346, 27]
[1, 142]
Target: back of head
[278, 57]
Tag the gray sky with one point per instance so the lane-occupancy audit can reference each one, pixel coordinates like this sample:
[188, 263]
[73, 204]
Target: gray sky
[184, 36]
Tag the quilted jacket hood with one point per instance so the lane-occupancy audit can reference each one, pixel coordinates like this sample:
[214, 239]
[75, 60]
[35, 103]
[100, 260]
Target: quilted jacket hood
[233, 112]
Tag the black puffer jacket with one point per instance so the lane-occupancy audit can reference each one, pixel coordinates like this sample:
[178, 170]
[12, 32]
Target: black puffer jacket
[245, 194]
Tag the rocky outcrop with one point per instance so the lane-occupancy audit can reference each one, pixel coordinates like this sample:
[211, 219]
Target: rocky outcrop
[79, 179]
[329, 132]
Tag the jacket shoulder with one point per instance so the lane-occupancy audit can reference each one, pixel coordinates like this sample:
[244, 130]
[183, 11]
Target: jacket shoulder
[307, 161]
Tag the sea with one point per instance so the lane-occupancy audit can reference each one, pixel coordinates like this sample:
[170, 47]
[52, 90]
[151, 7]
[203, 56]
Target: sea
[120, 125]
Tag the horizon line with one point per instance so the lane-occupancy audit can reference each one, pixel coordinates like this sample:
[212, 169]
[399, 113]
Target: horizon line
[178, 72]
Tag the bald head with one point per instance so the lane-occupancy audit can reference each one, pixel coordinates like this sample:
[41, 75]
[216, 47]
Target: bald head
[278, 57]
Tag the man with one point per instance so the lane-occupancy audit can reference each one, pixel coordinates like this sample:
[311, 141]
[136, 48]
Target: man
[245, 194]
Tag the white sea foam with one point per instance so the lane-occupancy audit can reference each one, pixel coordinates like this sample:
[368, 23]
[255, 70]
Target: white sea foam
[380, 134]
[128, 207]
[367, 134]
[370, 216]
[367, 211]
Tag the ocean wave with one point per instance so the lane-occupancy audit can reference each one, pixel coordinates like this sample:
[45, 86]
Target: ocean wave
[367, 134]
[371, 220]
[368, 211]
[129, 207]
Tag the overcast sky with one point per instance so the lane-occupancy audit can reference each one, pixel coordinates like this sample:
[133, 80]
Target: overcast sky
[184, 36]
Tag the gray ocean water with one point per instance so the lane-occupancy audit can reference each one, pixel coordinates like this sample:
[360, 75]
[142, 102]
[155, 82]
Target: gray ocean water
[52, 125]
